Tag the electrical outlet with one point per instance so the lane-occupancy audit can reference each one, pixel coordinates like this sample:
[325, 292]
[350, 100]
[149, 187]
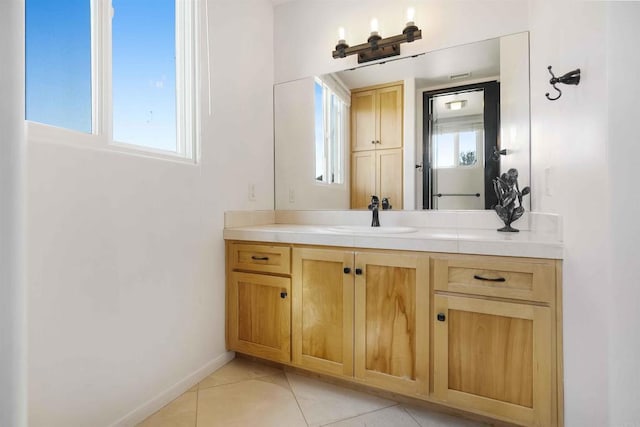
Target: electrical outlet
[292, 195]
[252, 192]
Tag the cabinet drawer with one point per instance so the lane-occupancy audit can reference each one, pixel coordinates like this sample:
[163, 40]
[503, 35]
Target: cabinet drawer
[261, 258]
[531, 281]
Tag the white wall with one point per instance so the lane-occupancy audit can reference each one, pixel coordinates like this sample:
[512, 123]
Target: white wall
[569, 147]
[623, 151]
[306, 31]
[295, 158]
[126, 259]
[12, 284]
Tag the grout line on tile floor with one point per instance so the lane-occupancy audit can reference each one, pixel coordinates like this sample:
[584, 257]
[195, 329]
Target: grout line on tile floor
[235, 382]
[360, 415]
[296, 398]
[404, 408]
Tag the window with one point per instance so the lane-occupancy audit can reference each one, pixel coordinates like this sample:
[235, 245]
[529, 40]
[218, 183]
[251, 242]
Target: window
[122, 71]
[58, 63]
[330, 134]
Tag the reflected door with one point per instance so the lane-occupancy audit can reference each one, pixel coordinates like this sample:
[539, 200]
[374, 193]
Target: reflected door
[461, 129]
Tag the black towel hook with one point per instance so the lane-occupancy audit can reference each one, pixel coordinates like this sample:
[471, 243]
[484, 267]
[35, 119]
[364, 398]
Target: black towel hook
[570, 78]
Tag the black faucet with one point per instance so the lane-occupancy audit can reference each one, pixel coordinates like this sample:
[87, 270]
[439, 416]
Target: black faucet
[375, 203]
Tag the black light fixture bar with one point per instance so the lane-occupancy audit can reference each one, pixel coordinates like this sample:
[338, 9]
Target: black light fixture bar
[377, 47]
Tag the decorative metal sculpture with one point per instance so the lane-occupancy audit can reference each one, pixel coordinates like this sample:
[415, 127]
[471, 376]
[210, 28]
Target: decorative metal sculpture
[508, 193]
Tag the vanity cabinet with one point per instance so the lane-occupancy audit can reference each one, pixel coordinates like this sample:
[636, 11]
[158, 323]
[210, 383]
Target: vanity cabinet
[481, 334]
[376, 144]
[493, 337]
[359, 314]
[391, 346]
[258, 301]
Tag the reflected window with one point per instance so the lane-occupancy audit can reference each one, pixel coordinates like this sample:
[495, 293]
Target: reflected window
[457, 148]
[467, 148]
[330, 134]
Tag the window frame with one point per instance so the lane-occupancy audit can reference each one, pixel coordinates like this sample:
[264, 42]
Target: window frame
[188, 22]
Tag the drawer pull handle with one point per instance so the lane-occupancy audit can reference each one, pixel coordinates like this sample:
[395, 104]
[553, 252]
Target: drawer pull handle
[346, 270]
[283, 295]
[496, 279]
[358, 271]
[260, 258]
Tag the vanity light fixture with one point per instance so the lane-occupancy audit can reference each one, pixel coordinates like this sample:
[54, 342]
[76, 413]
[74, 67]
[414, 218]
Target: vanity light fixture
[456, 105]
[376, 47]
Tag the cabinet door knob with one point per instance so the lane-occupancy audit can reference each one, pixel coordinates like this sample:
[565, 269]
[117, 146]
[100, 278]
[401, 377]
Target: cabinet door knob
[373, 142]
[346, 270]
[377, 142]
[358, 271]
[283, 295]
[441, 317]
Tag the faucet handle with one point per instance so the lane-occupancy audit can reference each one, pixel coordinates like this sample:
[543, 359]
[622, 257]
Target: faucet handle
[385, 203]
[375, 202]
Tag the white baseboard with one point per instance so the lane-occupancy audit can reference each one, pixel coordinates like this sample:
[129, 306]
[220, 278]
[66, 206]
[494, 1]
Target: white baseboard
[153, 405]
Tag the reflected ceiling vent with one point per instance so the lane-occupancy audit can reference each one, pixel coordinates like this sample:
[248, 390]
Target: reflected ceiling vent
[459, 76]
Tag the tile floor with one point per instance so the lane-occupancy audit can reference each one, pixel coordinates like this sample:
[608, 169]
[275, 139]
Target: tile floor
[245, 393]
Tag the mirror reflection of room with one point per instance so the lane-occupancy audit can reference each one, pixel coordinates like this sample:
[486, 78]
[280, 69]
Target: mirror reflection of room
[345, 136]
[457, 150]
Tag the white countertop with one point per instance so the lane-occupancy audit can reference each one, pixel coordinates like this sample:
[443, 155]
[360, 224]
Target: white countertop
[544, 243]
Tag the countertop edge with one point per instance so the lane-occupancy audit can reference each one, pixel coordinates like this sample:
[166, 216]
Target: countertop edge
[473, 242]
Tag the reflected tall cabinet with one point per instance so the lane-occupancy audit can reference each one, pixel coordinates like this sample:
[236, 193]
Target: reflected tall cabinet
[376, 144]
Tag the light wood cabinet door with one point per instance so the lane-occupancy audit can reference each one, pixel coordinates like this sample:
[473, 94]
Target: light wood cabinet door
[391, 321]
[363, 120]
[363, 178]
[259, 315]
[322, 310]
[389, 176]
[389, 105]
[376, 172]
[493, 357]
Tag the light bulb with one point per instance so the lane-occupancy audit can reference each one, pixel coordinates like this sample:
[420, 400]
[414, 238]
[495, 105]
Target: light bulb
[374, 26]
[341, 35]
[411, 14]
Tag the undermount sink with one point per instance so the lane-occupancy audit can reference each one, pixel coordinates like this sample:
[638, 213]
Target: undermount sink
[363, 229]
